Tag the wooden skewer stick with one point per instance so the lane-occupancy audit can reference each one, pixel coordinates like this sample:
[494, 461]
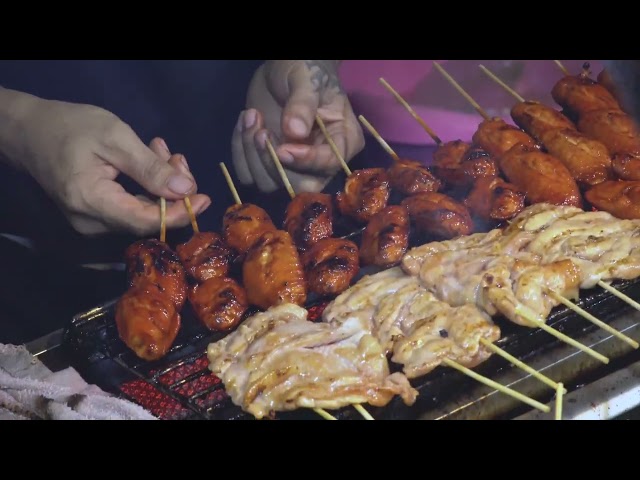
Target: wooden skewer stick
[462, 91]
[324, 414]
[283, 174]
[531, 318]
[232, 187]
[596, 321]
[619, 294]
[559, 393]
[332, 144]
[523, 366]
[192, 217]
[366, 415]
[501, 388]
[410, 109]
[495, 78]
[163, 219]
[380, 140]
[562, 67]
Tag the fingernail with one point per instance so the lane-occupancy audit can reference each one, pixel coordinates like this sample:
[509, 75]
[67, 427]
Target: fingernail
[286, 157]
[298, 127]
[180, 184]
[183, 162]
[203, 207]
[163, 144]
[249, 119]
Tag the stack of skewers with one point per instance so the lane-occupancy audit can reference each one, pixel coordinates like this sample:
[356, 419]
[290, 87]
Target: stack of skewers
[430, 306]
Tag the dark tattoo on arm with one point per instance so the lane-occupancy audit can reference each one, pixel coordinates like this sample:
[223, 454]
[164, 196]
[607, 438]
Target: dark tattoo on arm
[324, 75]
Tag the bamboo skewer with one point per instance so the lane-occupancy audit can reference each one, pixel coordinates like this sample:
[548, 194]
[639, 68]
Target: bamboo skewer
[462, 92]
[614, 291]
[366, 415]
[324, 414]
[518, 363]
[232, 187]
[559, 394]
[333, 146]
[501, 388]
[380, 140]
[495, 78]
[192, 217]
[283, 174]
[163, 219]
[413, 113]
[583, 313]
[530, 317]
[562, 67]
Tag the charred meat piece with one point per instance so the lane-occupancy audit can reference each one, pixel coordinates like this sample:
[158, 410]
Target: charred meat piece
[543, 177]
[614, 128]
[386, 238]
[497, 137]
[330, 265]
[439, 215]
[151, 262]
[626, 166]
[474, 164]
[147, 322]
[272, 271]
[619, 198]
[309, 218]
[495, 199]
[219, 303]
[410, 177]
[243, 224]
[365, 193]
[536, 119]
[587, 160]
[578, 94]
[205, 256]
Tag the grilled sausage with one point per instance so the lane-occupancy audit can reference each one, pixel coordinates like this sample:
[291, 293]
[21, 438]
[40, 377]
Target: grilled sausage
[578, 94]
[272, 272]
[243, 224]
[618, 197]
[450, 153]
[309, 218]
[536, 119]
[541, 176]
[439, 215]
[330, 265]
[153, 262]
[147, 321]
[587, 160]
[386, 238]
[474, 164]
[494, 199]
[497, 137]
[626, 166]
[365, 193]
[205, 256]
[605, 79]
[614, 128]
[219, 303]
[410, 177]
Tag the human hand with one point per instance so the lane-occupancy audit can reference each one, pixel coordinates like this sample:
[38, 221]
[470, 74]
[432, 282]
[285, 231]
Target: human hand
[76, 152]
[282, 102]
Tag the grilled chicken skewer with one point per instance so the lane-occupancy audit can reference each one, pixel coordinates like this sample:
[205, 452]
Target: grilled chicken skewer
[148, 314]
[278, 360]
[588, 160]
[463, 166]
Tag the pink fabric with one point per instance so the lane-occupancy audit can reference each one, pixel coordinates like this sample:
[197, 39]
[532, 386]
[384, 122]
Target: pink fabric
[436, 101]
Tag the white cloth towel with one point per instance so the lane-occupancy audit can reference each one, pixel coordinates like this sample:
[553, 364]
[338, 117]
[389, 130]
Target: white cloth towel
[29, 391]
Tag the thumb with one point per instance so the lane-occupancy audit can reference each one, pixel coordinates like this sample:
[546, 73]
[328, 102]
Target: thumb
[153, 173]
[299, 113]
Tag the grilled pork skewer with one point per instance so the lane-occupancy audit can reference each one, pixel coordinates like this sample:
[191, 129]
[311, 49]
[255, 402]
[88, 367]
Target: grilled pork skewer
[279, 361]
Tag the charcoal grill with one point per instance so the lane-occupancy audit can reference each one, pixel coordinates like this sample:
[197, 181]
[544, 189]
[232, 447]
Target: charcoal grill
[180, 386]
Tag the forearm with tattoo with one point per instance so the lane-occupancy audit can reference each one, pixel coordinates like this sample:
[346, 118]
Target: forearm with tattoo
[324, 74]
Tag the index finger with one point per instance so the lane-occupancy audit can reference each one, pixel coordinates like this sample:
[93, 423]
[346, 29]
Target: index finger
[125, 211]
